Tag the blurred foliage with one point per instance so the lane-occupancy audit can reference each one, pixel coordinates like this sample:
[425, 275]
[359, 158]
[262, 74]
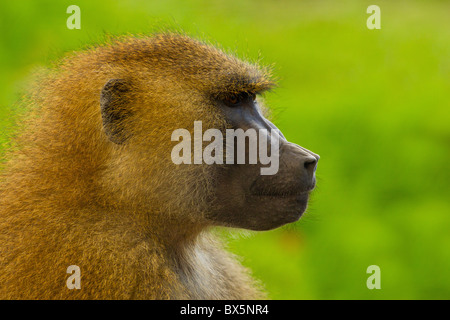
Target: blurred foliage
[373, 103]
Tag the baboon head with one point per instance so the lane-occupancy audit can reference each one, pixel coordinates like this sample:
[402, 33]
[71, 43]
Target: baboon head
[169, 82]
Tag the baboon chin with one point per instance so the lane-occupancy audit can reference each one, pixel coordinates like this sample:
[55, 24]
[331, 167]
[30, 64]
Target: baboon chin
[93, 181]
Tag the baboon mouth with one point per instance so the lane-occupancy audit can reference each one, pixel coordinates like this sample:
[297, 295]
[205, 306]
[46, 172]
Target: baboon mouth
[279, 194]
[283, 192]
[281, 188]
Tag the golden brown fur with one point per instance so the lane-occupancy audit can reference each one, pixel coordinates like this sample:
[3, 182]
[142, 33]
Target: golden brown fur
[125, 214]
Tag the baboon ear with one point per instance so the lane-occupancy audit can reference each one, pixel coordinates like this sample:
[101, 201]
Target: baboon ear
[114, 103]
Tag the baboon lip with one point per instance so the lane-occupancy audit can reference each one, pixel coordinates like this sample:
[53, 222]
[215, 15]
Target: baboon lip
[281, 189]
[276, 194]
[284, 192]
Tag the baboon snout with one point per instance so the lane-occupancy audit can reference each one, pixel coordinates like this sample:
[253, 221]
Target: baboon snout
[302, 165]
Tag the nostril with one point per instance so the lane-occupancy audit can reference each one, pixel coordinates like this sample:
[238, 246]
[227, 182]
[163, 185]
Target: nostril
[311, 165]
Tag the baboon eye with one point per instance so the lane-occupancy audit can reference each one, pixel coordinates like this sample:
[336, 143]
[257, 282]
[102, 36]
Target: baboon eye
[234, 99]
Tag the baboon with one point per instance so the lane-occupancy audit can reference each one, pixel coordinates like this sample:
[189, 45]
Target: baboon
[90, 181]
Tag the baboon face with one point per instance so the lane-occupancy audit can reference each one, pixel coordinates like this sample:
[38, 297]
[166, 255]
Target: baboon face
[246, 198]
[195, 82]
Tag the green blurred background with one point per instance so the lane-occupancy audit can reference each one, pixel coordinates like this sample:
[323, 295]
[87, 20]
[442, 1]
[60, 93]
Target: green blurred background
[373, 103]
